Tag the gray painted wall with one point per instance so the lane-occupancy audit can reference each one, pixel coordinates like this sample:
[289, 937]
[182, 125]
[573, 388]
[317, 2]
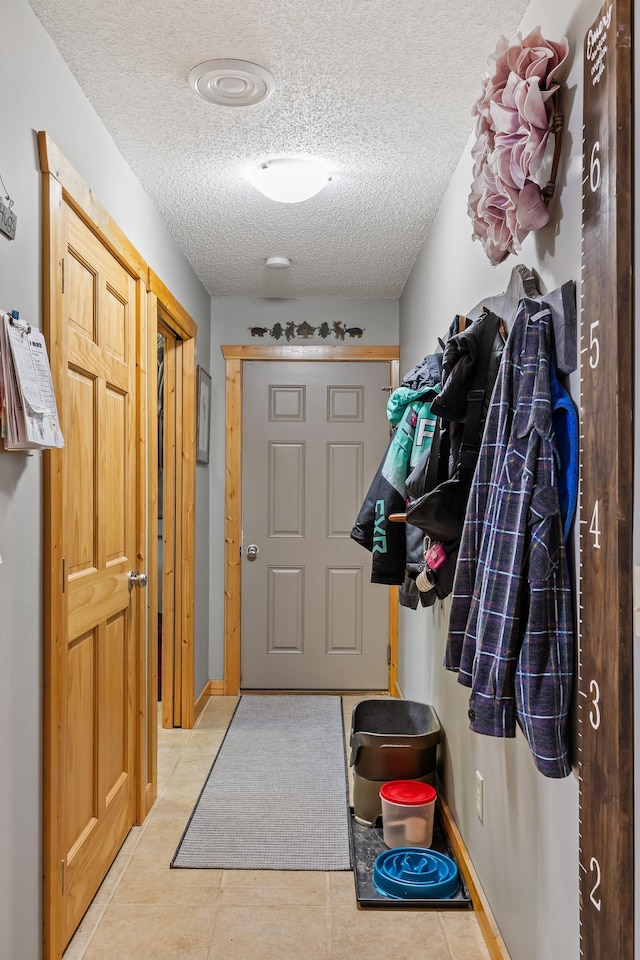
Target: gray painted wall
[231, 320]
[526, 849]
[41, 94]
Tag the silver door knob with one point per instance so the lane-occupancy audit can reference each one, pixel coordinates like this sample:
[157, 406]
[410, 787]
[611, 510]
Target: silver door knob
[252, 551]
[137, 579]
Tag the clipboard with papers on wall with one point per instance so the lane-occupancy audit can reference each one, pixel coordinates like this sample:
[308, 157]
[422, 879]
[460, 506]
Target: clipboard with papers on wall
[28, 410]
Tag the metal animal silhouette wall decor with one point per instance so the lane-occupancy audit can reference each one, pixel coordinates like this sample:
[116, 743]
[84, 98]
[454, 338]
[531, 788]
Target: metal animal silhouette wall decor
[304, 331]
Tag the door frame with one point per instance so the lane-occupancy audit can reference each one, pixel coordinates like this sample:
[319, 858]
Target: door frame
[178, 709]
[235, 357]
[60, 182]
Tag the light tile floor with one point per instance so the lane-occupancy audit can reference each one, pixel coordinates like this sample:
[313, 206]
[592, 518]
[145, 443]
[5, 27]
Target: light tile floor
[145, 911]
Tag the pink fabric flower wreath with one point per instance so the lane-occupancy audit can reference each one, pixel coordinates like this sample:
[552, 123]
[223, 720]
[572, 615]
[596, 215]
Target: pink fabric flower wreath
[513, 120]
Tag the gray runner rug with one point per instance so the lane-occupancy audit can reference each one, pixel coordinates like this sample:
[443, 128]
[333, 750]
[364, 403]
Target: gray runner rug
[276, 797]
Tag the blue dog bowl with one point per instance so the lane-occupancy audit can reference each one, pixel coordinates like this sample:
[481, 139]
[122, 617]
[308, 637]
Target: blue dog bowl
[408, 873]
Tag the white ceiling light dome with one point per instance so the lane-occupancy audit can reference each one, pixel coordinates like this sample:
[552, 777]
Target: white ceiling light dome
[290, 179]
[231, 83]
[278, 262]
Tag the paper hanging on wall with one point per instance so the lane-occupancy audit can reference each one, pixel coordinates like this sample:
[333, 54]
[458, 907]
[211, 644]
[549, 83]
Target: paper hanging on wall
[28, 409]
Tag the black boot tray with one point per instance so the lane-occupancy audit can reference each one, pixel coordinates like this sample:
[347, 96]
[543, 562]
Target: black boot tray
[367, 843]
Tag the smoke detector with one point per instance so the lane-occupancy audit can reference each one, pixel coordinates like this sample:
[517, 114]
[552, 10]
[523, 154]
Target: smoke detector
[231, 83]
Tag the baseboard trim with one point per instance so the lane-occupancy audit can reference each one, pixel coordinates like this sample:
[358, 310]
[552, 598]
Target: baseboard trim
[212, 688]
[201, 701]
[486, 922]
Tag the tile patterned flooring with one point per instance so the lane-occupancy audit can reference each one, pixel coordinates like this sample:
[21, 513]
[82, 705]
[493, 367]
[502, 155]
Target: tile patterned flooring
[145, 911]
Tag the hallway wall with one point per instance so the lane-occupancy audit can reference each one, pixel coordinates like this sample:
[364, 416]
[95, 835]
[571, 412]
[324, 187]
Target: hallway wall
[231, 320]
[41, 94]
[526, 849]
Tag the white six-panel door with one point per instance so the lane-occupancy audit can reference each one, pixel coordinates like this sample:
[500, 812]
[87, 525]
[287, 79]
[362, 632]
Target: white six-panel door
[313, 437]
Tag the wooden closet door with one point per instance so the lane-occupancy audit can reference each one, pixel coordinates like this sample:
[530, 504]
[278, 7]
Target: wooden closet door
[98, 504]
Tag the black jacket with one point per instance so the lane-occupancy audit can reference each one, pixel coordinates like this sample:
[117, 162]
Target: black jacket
[459, 360]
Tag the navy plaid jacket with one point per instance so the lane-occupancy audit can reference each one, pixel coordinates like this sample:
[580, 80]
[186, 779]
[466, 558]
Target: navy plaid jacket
[511, 626]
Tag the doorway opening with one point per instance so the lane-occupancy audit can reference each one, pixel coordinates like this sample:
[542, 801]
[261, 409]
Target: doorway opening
[172, 512]
[170, 480]
[236, 356]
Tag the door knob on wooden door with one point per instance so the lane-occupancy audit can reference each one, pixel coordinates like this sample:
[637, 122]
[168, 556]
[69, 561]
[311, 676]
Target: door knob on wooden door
[252, 551]
[137, 579]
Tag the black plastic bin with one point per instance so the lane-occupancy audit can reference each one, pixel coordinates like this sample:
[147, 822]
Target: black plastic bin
[390, 740]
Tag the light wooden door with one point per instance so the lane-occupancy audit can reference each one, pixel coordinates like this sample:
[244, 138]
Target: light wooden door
[97, 665]
[172, 468]
[171, 487]
[313, 437]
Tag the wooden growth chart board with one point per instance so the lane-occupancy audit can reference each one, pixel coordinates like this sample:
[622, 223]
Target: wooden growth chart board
[605, 668]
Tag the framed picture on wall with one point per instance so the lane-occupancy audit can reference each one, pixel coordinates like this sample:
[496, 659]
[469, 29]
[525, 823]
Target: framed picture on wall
[203, 423]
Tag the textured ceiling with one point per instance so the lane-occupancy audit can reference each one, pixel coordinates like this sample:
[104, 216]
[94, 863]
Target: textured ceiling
[380, 89]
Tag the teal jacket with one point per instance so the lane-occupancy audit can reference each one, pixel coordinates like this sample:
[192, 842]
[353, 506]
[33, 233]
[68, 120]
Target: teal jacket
[409, 413]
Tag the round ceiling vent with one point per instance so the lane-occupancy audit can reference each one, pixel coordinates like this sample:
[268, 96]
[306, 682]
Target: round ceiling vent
[231, 83]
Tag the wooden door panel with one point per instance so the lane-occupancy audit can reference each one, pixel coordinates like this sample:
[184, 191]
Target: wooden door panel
[82, 293]
[84, 863]
[114, 473]
[170, 717]
[115, 322]
[95, 595]
[81, 807]
[87, 356]
[87, 248]
[179, 635]
[112, 695]
[80, 444]
[99, 731]
[98, 790]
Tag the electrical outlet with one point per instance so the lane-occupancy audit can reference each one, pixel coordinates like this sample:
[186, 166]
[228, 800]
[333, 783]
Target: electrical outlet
[479, 795]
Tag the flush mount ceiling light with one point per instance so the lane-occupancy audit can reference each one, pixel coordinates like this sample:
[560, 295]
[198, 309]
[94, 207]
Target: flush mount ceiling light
[231, 83]
[289, 180]
[278, 262]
